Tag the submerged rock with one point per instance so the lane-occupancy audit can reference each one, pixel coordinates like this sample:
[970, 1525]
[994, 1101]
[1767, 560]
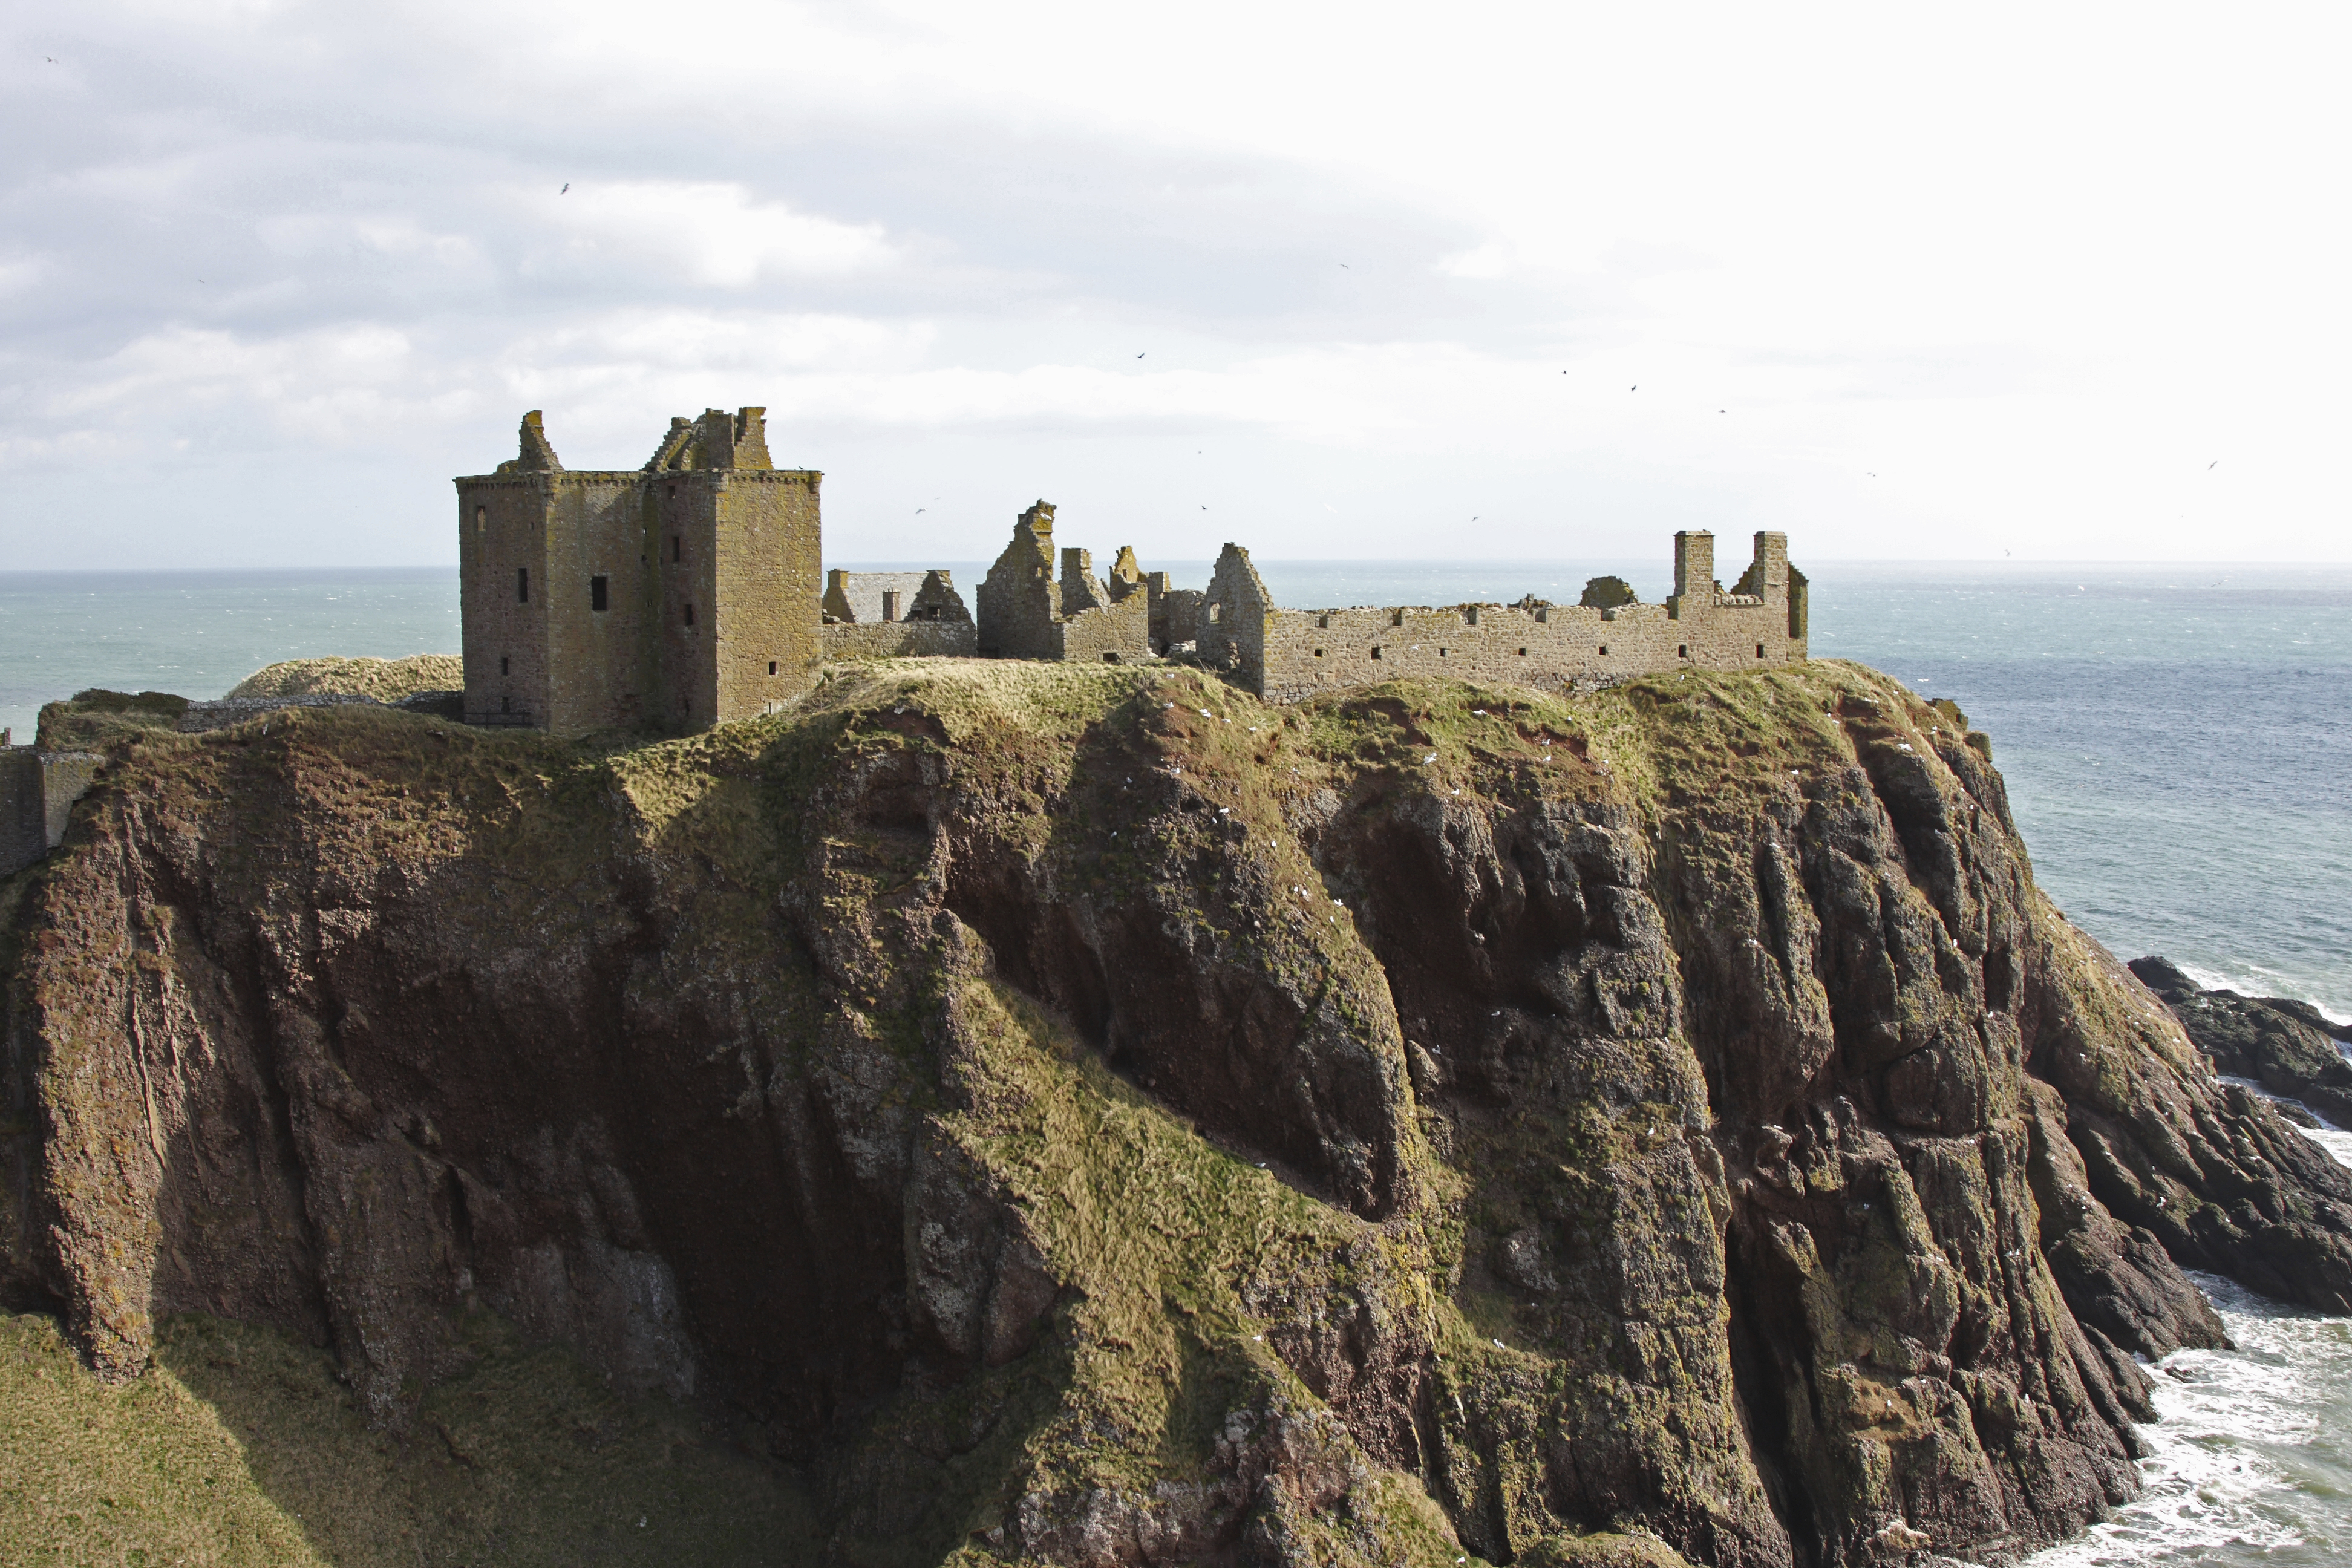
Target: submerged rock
[1090, 1116]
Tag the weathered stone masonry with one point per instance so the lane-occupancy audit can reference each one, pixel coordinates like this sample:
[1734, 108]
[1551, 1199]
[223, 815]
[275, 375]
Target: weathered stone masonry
[38, 790]
[685, 593]
[896, 615]
[1285, 655]
[674, 596]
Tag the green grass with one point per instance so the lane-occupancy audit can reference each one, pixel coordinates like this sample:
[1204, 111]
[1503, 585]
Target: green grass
[241, 1447]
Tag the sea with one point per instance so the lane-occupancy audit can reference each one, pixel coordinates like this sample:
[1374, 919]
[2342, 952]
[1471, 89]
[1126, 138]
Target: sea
[2178, 744]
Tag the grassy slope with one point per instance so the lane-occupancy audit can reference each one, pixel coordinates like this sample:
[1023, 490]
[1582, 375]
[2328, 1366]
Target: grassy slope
[243, 1446]
[386, 680]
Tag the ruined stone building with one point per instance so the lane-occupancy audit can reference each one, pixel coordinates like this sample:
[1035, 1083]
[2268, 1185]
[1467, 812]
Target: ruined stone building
[686, 593]
[1285, 655]
[672, 596]
[1027, 611]
[896, 615]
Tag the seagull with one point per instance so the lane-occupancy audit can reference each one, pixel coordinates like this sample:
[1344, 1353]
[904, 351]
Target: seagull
[919, 511]
[51, 58]
[2214, 465]
[1146, 352]
[567, 189]
[1204, 508]
[1343, 266]
[1635, 388]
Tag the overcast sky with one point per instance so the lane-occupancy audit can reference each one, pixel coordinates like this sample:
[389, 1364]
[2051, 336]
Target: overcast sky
[2061, 281]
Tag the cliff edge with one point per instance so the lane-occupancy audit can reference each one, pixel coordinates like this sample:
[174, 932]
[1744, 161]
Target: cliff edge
[1086, 1115]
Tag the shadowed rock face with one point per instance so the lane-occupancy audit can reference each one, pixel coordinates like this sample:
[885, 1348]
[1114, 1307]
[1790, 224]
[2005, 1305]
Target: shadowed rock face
[1081, 1126]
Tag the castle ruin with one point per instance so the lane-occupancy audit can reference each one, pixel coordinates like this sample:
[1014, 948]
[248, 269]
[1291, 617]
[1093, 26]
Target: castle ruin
[691, 592]
[1285, 655]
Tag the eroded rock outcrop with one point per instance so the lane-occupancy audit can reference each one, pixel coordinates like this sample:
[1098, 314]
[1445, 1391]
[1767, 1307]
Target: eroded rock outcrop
[1090, 1116]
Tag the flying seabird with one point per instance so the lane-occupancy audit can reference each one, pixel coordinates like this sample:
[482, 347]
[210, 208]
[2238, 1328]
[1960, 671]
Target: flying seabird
[566, 190]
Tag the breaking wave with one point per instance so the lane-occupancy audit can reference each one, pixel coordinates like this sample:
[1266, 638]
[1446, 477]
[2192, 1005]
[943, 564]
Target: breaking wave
[2252, 1452]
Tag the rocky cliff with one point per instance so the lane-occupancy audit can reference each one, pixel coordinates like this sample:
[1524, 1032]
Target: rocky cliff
[1088, 1116]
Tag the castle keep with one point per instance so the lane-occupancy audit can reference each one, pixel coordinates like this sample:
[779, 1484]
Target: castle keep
[692, 592]
[676, 597]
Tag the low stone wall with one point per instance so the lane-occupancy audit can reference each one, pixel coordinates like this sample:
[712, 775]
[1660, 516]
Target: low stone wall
[1305, 651]
[1116, 634]
[899, 639]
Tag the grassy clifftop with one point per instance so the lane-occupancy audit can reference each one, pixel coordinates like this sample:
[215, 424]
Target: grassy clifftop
[386, 680]
[1004, 1111]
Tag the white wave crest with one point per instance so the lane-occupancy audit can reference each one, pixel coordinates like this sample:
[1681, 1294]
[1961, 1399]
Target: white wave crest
[2251, 1461]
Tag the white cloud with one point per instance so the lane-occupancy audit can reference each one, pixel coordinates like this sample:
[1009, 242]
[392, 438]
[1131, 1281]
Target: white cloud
[1902, 281]
[711, 232]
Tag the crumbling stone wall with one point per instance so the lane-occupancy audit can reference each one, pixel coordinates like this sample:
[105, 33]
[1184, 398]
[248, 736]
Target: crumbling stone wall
[868, 598]
[1019, 600]
[1285, 655]
[38, 790]
[1025, 612]
[1175, 612]
[1120, 633]
[901, 639]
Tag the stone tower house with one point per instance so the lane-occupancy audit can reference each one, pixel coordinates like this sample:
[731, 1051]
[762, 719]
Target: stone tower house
[674, 596]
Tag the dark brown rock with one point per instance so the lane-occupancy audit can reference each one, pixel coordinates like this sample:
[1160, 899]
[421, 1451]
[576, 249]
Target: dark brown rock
[999, 1096]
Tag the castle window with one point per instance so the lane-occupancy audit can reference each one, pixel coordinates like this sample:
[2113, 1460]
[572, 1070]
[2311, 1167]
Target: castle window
[1319, 653]
[690, 615]
[598, 599]
[1760, 650]
[506, 704]
[502, 664]
[522, 585]
[1441, 653]
[771, 667]
[1604, 650]
[1375, 653]
[677, 547]
[1682, 650]
[481, 520]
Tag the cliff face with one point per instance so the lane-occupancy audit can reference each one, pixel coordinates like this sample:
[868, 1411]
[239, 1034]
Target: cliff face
[1090, 1116]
